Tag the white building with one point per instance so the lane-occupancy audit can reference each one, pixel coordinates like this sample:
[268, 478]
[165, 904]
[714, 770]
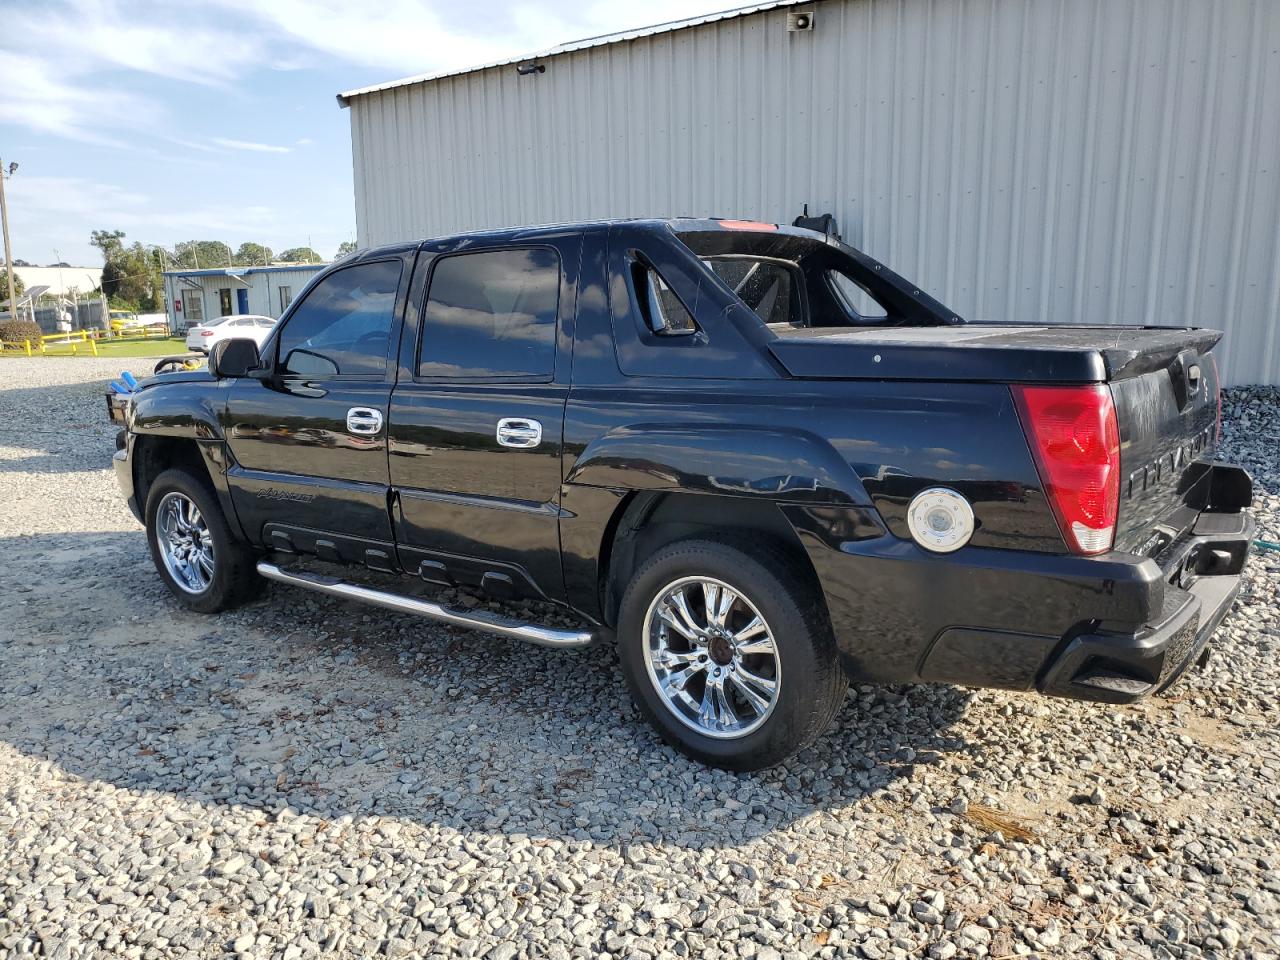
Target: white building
[1047, 161]
[197, 295]
[61, 281]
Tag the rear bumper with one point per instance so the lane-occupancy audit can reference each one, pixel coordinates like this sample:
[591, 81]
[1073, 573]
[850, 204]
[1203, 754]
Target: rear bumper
[1113, 628]
[1120, 667]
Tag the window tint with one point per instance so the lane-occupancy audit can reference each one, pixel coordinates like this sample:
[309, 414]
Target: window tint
[855, 299]
[342, 326]
[765, 286]
[662, 310]
[492, 314]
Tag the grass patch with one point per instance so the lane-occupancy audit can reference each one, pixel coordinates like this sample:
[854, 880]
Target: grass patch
[119, 347]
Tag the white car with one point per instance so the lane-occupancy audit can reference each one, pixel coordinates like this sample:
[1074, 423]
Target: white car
[203, 336]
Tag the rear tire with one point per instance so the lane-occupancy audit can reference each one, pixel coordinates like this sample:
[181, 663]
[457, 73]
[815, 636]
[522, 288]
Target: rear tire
[198, 558]
[729, 654]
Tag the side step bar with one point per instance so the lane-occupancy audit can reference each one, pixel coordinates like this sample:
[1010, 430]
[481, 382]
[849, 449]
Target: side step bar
[457, 616]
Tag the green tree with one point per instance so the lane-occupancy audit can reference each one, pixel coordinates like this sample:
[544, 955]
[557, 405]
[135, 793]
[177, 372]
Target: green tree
[131, 275]
[201, 255]
[345, 248]
[18, 285]
[300, 255]
[253, 255]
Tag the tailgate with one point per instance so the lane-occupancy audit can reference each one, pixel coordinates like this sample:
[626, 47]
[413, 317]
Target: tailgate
[1168, 419]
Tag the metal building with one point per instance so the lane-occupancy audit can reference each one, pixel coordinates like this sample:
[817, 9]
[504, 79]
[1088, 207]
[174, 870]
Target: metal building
[1030, 160]
[194, 296]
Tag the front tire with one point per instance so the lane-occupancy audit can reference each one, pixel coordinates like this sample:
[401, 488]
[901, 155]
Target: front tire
[198, 558]
[729, 654]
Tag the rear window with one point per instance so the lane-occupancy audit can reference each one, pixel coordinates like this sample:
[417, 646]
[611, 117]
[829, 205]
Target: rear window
[768, 287]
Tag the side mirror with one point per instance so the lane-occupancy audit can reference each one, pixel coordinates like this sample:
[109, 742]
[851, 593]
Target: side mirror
[233, 358]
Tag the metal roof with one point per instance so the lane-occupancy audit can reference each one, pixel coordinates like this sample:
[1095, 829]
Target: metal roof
[602, 40]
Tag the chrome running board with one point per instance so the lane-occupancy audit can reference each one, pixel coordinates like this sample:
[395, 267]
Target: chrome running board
[458, 617]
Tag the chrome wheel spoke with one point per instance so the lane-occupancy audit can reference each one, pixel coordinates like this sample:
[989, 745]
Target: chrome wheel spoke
[677, 659]
[758, 703]
[719, 601]
[679, 604]
[206, 564]
[676, 623]
[711, 602]
[707, 708]
[754, 639]
[724, 713]
[676, 681]
[764, 685]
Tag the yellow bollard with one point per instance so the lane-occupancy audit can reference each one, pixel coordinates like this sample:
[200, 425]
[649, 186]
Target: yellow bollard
[28, 343]
[92, 346]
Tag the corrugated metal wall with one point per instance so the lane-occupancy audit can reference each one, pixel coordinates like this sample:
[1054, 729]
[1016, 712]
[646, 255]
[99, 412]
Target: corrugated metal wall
[1030, 160]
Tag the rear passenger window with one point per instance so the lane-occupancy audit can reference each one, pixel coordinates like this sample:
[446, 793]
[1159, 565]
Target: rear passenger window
[492, 314]
[662, 310]
[342, 327]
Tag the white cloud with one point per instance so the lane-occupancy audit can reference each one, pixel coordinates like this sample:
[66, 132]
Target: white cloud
[66, 83]
[59, 208]
[177, 41]
[250, 145]
[36, 97]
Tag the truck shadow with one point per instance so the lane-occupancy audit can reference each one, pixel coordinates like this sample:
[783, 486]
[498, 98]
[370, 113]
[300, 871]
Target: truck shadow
[333, 709]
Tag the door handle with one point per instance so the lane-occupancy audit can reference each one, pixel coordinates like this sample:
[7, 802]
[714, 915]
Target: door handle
[519, 432]
[365, 421]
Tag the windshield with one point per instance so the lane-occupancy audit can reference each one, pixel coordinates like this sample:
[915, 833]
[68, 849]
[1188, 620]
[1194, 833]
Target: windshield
[215, 322]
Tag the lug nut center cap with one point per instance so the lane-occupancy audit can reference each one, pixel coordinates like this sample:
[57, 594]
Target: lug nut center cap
[721, 650]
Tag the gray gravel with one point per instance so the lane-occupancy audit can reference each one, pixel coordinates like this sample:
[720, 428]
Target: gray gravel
[305, 777]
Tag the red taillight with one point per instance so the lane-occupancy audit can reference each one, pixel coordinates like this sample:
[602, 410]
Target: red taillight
[1076, 442]
[206, 333]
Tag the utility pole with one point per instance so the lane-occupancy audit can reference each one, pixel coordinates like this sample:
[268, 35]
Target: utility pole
[8, 250]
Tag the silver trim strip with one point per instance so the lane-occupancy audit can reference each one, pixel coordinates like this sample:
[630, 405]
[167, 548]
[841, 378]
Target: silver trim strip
[471, 619]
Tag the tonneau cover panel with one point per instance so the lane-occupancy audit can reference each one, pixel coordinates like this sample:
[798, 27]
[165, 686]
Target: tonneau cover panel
[1004, 353]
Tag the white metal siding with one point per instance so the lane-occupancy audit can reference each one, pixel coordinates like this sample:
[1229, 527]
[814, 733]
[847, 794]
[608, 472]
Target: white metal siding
[1030, 160]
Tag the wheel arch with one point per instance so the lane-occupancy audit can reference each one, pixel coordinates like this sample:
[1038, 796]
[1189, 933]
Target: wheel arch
[645, 522]
[153, 454]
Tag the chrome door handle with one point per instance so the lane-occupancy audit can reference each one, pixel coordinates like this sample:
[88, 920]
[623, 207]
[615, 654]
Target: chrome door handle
[519, 432]
[365, 421]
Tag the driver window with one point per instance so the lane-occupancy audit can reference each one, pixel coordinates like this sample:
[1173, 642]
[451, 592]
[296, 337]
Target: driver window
[342, 327]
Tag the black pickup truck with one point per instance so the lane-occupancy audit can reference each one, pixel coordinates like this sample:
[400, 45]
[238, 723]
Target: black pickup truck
[756, 459]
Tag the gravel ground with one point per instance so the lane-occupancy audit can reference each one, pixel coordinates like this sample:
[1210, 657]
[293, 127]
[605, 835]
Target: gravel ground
[305, 777]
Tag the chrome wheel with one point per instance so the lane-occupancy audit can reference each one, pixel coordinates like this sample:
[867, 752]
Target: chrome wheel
[184, 543]
[711, 657]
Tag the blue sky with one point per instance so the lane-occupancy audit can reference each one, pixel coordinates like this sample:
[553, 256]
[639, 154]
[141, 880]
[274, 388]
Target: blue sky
[217, 119]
